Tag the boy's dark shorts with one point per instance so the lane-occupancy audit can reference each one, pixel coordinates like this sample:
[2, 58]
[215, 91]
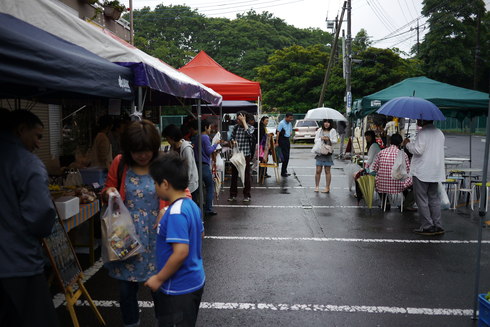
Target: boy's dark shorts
[177, 310]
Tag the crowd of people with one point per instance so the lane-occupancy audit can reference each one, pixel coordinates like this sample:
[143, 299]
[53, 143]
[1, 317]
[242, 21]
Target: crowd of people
[422, 165]
[161, 193]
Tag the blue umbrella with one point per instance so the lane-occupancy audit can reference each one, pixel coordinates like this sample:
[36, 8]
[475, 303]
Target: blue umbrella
[411, 107]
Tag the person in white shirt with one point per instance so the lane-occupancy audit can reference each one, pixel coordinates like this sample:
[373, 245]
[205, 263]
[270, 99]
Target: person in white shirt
[427, 169]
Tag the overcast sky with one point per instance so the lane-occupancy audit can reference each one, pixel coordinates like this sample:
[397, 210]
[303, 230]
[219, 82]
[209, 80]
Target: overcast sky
[381, 18]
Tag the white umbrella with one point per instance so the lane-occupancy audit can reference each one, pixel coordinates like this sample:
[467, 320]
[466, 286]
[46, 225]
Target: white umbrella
[324, 113]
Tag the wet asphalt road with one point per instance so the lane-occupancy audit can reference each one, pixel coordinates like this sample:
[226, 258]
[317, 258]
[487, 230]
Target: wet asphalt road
[298, 258]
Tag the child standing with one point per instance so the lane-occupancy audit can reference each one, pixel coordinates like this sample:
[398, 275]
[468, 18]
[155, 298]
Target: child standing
[179, 283]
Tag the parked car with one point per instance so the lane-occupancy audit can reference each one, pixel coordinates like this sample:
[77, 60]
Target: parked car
[304, 130]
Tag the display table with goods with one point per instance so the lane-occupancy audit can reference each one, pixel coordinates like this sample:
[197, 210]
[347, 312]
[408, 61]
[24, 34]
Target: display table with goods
[87, 208]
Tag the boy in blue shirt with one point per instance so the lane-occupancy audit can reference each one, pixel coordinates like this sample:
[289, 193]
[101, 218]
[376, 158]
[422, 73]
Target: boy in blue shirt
[179, 283]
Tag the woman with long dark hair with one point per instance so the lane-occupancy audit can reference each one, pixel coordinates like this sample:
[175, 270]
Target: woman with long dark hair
[372, 147]
[263, 150]
[327, 135]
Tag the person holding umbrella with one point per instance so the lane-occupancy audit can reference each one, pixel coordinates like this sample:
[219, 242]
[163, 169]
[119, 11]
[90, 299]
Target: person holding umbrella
[427, 170]
[327, 135]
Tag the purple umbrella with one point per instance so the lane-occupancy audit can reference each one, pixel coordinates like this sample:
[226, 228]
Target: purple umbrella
[411, 107]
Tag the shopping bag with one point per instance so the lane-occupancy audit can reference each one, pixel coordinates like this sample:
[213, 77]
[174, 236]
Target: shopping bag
[445, 203]
[220, 163]
[399, 170]
[238, 160]
[279, 156]
[119, 239]
[73, 178]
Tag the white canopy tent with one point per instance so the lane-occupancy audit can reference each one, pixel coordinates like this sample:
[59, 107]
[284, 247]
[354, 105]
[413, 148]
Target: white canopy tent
[148, 71]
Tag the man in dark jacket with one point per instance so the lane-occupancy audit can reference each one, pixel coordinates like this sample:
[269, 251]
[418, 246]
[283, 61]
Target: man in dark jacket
[27, 215]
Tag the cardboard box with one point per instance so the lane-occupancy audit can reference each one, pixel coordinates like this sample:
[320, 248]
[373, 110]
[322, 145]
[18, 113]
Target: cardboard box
[67, 206]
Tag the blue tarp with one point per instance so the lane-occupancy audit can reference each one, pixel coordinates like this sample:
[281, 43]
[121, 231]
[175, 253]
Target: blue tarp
[35, 63]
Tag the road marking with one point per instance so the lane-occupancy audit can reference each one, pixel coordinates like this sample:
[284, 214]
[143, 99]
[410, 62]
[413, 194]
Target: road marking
[289, 187]
[339, 239]
[255, 206]
[304, 308]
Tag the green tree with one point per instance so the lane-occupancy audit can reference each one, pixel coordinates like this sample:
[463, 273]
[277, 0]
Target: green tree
[448, 49]
[293, 78]
[176, 33]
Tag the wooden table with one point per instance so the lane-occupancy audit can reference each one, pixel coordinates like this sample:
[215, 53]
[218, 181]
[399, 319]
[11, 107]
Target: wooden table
[87, 211]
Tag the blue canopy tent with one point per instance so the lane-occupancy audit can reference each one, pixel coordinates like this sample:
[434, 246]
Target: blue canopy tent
[37, 64]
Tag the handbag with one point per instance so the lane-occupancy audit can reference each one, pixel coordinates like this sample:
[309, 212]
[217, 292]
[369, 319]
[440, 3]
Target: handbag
[119, 238]
[322, 148]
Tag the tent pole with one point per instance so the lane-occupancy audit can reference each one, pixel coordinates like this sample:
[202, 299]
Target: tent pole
[199, 150]
[482, 213]
[258, 138]
[472, 123]
[220, 120]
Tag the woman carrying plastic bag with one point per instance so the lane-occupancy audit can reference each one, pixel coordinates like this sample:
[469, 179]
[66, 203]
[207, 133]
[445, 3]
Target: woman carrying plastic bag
[129, 175]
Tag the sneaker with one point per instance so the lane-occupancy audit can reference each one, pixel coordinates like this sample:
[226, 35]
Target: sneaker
[232, 199]
[426, 232]
[247, 199]
[285, 175]
[211, 213]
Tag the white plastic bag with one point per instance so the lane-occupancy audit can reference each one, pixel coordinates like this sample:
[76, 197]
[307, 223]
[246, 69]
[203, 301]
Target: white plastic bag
[216, 140]
[399, 170]
[238, 160]
[350, 170]
[445, 203]
[220, 163]
[119, 238]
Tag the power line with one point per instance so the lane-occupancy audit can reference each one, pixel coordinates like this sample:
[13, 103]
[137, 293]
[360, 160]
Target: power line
[403, 12]
[383, 12]
[379, 16]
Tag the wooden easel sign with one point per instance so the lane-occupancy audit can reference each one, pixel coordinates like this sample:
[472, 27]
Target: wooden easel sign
[67, 269]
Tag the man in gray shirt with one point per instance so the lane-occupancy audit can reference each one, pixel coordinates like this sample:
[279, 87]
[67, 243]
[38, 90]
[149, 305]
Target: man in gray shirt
[26, 216]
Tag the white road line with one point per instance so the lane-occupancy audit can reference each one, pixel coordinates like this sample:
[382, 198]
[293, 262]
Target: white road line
[284, 207]
[305, 308]
[289, 187]
[338, 239]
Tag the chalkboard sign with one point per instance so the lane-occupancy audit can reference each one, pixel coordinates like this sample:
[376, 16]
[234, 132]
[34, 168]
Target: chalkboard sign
[62, 256]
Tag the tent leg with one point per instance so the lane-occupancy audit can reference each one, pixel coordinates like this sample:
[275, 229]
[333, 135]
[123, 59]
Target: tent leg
[482, 214]
[258, 138]
[201, 184]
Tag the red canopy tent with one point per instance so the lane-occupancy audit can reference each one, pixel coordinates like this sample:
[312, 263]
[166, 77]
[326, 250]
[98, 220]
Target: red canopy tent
[205, 70]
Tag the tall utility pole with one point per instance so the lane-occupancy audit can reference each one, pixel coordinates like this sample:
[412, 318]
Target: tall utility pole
[418, 38]
[348, 59]
[332, 57]
[131, 26]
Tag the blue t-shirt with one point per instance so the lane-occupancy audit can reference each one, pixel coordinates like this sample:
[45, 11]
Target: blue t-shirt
[287, 127]
[181, 224]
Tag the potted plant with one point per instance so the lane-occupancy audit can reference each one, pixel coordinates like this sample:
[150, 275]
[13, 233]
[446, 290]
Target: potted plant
[113, 9]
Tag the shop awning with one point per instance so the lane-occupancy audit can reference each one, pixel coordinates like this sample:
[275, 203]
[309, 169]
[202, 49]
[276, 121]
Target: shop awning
[204, 69]
[454, 101]
[147, 70]
[37, 64]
